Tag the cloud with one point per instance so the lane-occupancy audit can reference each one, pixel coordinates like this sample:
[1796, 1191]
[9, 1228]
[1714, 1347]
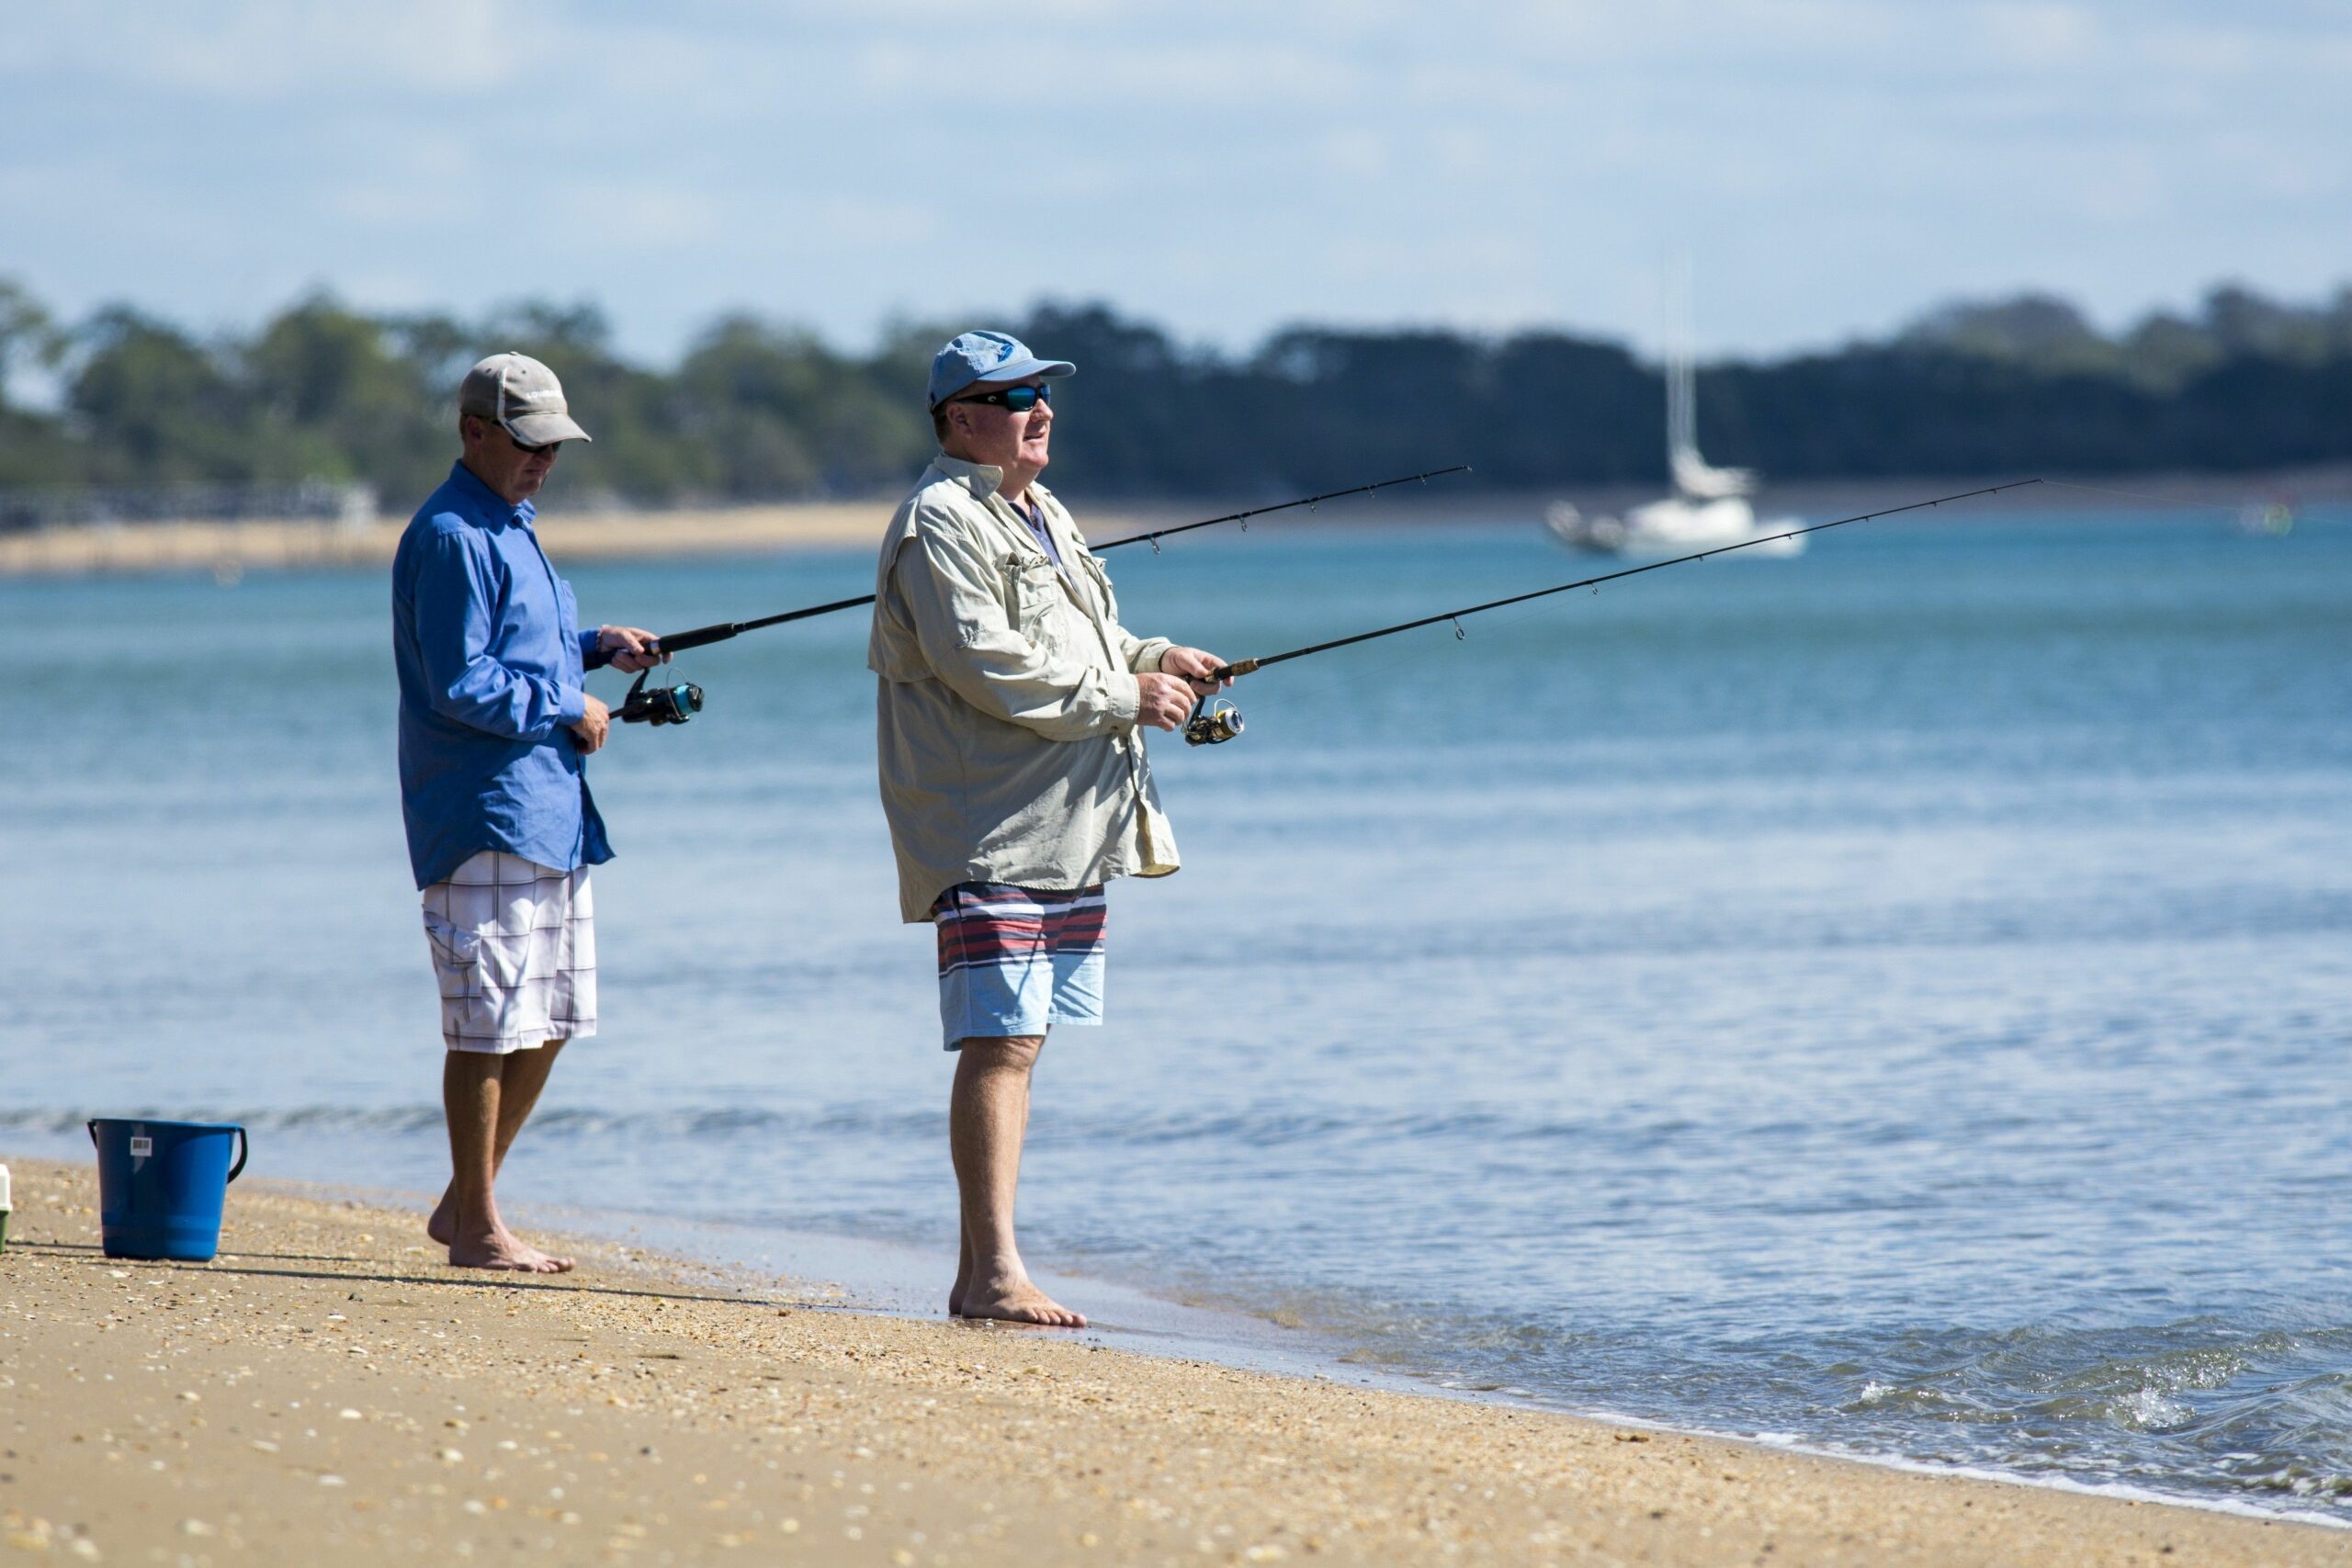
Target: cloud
[248, 49]
[1833, 164]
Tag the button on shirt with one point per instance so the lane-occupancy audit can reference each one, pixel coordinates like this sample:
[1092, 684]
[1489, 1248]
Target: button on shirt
[487, 643]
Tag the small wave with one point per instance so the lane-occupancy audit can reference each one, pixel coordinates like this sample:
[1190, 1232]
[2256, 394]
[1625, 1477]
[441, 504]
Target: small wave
[558, 1120]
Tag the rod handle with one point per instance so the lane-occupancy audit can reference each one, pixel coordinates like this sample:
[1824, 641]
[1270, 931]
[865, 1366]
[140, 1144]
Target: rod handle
[678, 642]
[1238, 667]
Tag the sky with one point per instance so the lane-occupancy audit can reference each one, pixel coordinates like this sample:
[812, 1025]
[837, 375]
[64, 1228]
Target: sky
[1830, 167]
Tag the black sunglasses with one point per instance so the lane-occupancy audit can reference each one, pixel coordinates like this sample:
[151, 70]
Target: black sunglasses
[1016, 400]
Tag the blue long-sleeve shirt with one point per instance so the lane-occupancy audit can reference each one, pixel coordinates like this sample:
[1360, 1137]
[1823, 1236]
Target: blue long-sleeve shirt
[487, 642]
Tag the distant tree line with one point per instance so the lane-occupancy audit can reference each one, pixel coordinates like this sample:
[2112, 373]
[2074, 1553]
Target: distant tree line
[758, 411]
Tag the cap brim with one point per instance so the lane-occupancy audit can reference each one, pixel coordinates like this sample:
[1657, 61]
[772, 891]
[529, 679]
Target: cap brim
[544, 429]
[1021, 370]
[1003, 375]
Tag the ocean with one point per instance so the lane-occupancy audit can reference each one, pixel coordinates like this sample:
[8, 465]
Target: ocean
[1894, 1000]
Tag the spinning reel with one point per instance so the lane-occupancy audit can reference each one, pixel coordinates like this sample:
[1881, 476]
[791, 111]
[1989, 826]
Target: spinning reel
[663, 705]
[1212, 725]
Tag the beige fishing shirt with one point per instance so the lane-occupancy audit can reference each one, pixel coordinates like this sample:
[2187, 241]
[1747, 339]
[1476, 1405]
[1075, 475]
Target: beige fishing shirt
[1006, 709]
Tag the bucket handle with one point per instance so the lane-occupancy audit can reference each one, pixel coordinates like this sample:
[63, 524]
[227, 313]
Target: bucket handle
[244, 1147]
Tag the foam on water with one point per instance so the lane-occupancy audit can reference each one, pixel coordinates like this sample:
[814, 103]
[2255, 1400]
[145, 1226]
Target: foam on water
[1892, 1001]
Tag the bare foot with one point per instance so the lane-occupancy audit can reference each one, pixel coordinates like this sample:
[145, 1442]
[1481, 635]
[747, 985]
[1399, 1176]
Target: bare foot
[443, 1227]
[1019, 1301]
[502, 1249]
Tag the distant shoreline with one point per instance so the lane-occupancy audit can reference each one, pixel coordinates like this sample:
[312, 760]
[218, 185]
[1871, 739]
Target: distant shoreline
[230, 549]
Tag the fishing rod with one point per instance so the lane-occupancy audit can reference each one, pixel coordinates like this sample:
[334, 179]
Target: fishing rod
[1210, 727]
[677, 703]
[678, 642]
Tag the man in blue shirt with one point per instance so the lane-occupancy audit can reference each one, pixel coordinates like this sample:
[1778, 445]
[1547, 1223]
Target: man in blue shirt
[502, 830]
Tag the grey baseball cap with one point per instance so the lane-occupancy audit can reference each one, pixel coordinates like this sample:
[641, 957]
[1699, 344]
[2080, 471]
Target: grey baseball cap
[523, 395]
[988, 356]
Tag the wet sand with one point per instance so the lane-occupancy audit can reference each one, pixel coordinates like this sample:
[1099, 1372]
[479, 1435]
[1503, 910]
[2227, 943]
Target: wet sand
[328, 1391]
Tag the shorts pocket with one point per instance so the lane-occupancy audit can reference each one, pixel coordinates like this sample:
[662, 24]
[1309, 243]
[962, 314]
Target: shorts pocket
[472, 963]
[457, 957]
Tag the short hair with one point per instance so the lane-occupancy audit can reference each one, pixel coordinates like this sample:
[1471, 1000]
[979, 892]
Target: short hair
[939, 423]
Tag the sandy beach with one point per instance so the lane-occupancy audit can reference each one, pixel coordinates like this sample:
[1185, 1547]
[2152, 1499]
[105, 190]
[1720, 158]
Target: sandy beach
[328, 1390]
[230, 549]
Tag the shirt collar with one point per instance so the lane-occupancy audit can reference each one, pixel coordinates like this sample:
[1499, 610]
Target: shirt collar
[981, 479]
[470, 483]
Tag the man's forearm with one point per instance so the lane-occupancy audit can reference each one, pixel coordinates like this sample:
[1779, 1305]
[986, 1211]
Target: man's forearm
[498, 701]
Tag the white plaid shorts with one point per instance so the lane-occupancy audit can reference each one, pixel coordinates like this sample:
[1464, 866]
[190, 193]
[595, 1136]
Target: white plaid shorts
[514, 948]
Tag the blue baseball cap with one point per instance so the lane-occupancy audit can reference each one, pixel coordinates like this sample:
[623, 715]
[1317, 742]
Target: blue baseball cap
[988, 356]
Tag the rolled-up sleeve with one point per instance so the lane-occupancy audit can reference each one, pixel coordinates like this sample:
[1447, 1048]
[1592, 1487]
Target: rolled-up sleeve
[453, 634]
[959, 620]
[1142, 653]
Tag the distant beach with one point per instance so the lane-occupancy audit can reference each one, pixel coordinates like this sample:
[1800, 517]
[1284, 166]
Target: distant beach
[229, 549]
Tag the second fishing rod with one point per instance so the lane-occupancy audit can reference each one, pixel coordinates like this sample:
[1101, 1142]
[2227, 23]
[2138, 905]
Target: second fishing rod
[677, 703]
[1215, 720]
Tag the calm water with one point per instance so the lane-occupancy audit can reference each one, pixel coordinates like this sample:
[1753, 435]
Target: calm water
[1895, 998]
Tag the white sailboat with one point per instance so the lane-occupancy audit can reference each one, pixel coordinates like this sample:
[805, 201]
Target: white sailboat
[1708, 509]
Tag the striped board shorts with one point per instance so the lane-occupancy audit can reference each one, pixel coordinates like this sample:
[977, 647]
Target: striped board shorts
[514, 948]
[1017, 960]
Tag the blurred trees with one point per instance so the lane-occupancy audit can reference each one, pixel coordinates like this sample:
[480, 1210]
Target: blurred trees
[758, 410]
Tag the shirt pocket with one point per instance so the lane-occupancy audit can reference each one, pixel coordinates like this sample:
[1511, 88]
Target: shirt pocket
[1036, 600]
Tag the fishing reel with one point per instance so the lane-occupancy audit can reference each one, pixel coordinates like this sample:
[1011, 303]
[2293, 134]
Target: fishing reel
[663, 705]
[1212, 726]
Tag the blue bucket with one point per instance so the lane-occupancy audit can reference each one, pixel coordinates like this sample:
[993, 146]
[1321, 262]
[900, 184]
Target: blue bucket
[161, 1185]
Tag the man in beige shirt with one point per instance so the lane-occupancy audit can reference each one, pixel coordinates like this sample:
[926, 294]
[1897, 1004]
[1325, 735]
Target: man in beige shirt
[1011, 710]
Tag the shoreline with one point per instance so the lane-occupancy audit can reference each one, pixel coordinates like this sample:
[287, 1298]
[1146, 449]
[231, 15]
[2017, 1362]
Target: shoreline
[229, 549]
[329, 1386]
[901, 1281]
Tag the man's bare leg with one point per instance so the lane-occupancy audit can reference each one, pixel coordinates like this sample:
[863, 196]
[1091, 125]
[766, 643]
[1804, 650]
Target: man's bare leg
[964, 1226]
[987, 1118]
[470, 1097]
[521, 1076]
